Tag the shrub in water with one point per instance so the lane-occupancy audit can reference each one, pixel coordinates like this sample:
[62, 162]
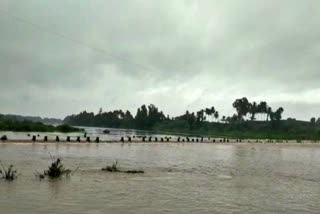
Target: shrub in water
[134, 171]
[9, 173]
[56, 169]
[113, 168]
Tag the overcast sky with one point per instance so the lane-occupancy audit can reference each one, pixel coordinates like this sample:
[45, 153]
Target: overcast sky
[62, 57]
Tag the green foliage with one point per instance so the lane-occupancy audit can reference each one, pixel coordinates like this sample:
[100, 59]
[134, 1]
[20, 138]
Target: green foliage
[242, 107]
[56, 169]
[66, 128]
[146, 118]
[29, 126]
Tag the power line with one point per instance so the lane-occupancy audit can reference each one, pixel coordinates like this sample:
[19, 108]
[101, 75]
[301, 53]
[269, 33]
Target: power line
[79, 42]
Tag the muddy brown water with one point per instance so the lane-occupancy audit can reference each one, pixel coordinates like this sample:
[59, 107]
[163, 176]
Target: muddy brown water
[179, 178]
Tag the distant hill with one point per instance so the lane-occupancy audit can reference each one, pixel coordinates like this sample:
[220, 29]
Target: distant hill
[45, 120]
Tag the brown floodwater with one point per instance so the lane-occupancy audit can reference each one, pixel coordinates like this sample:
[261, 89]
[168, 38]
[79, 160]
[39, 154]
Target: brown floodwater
[179, 178]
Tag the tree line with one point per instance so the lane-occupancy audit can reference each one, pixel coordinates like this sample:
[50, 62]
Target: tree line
[147, 117]
[18, 125]
[251, 119]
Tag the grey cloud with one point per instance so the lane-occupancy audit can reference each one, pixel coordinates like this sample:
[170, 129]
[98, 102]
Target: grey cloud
[61, 57]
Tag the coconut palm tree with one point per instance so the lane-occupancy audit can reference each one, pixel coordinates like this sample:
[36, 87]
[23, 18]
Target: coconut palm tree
[216, 115]
[208, 112]
[262, 107]
[269, 112]
[213, 110]
[253, 110]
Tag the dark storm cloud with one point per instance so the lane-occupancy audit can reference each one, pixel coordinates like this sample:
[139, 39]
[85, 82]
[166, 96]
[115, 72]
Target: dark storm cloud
[61, 57]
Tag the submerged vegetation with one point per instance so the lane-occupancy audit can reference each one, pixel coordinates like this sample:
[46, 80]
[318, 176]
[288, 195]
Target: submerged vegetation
[8, 173]
[113, 168]
[116, 168]
[251, 120]
[55, 170]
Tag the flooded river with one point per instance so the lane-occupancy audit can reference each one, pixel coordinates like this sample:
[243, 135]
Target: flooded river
[93, 132]
[179, 178]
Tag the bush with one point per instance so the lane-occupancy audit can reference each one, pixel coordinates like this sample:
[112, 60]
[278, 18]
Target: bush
[56, 170]
[67, 128]
[9, 173]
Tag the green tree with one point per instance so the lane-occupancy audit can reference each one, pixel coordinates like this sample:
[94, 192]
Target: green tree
[278, 114]
[208, 112]
[242, 107]
[216, 115]
[262, 107]
[313, 121]
[212, 110]
[200, 116]
[191, 120]
[269, 112]
[253, 108]
[142, 117]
